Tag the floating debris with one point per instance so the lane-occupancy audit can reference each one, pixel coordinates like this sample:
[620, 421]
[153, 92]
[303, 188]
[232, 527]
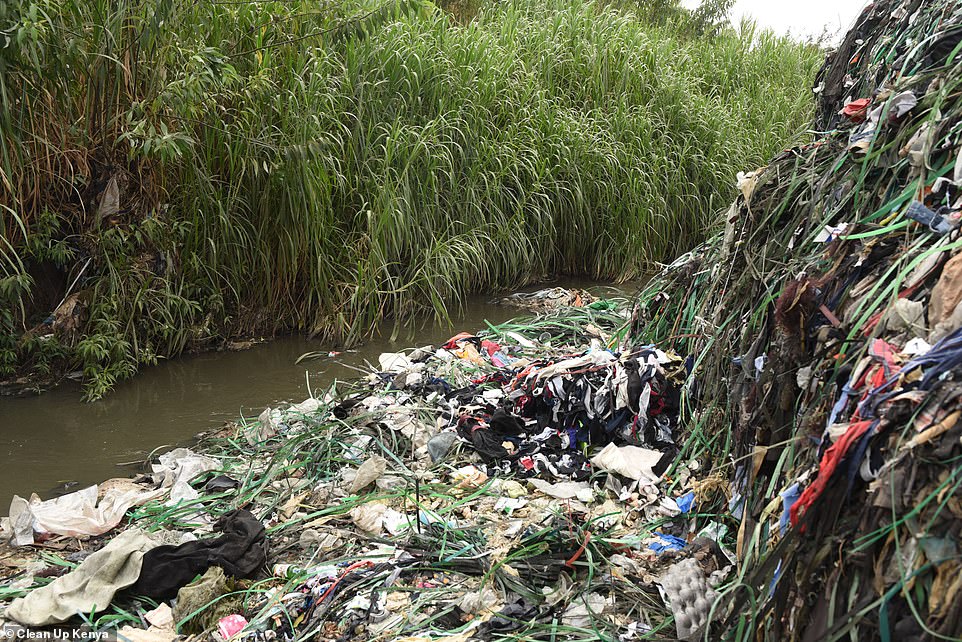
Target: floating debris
[548, 299]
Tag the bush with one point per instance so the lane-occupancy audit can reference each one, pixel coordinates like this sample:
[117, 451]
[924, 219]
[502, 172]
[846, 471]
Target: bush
[193, 171]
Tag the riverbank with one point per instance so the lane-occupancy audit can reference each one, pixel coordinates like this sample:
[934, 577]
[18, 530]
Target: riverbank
[249, 169]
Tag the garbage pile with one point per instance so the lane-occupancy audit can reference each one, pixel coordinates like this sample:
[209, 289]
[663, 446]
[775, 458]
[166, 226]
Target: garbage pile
[506, 484]
[827, 320]
[536, 417]
[548, 299]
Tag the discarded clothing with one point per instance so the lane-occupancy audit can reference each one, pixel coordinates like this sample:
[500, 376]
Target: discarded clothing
[932, 220]
[855, 110]
[88, 588]
[240, 551]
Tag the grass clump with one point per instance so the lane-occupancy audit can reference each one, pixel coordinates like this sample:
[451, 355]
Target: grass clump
[174, 174]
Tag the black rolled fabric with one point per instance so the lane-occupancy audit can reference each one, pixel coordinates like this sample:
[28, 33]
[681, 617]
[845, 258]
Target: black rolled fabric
[241, 550]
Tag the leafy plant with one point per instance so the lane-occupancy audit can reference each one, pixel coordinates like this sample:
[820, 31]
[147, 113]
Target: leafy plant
[197, 171]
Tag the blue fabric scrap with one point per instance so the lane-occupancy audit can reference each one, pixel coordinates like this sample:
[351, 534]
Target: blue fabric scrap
[685, 502]
[667, 543]
[933, 220]
[789, 496]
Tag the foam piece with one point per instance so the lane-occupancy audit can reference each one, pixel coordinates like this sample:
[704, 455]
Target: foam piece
[687, 592]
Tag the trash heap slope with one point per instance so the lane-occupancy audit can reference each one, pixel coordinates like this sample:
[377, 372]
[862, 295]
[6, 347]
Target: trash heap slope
[826, 322]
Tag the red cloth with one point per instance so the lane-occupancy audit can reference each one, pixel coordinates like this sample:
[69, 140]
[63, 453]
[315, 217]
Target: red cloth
[490, 347]
[453, 341]
[826, 468]
[885, 356]
[883, 350]
[856, 110]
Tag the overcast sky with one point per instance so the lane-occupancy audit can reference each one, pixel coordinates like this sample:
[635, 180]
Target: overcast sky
[801, 18]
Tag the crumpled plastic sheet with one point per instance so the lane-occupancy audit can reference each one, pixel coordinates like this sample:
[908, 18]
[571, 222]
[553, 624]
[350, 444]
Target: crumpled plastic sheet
[667, 542]
[631, 461]
[563, 490]
[77, 514]
[80, 514]
[176, 470]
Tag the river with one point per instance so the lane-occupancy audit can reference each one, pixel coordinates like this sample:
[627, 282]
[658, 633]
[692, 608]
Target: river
[53, 443]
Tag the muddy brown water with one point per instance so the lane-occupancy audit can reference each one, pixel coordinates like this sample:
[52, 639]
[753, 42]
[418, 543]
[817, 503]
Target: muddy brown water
[54, 443]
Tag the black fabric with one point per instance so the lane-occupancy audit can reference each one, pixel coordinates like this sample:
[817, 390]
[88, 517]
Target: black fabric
[938, 52]
[506, 424]
[512, 617]
[489, 445]
[220, 484]
[634, 385]
[240, 551]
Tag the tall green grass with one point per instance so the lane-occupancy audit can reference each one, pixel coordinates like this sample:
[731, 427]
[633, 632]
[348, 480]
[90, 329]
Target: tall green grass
[316, 167]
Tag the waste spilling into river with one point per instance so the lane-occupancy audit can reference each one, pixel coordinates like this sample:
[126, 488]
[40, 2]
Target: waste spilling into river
[765, 445]
[507, 483]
